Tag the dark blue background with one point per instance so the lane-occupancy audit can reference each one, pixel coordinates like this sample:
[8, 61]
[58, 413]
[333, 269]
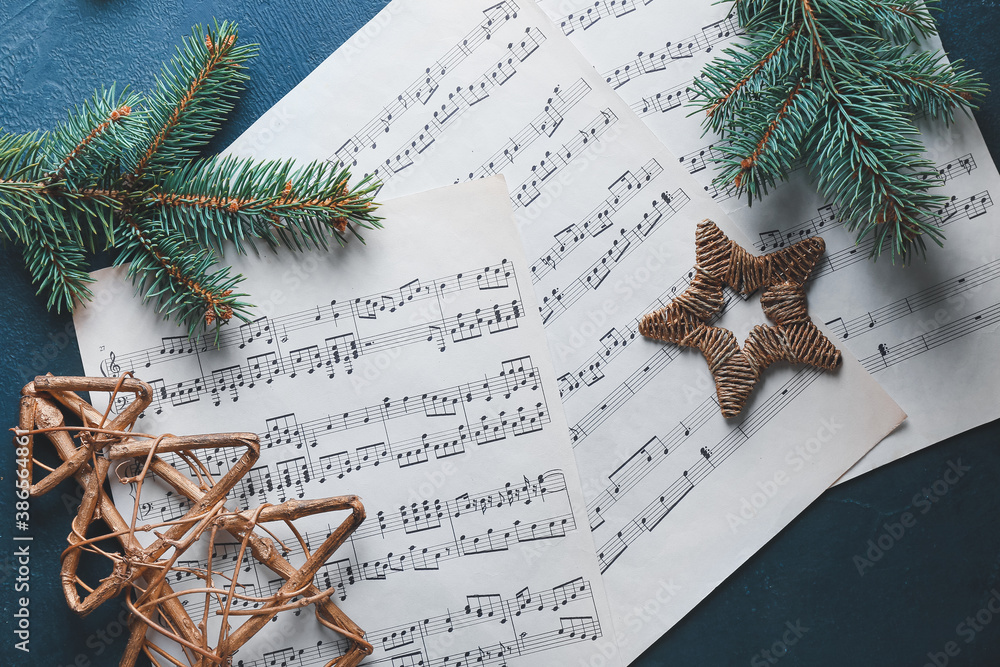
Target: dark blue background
[909, 603]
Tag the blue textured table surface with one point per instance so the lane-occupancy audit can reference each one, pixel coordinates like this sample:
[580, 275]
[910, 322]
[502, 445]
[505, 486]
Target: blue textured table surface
[924, 600]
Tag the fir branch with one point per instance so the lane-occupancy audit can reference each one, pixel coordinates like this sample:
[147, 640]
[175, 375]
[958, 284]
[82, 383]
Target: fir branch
[193, 93]
[719, 109]
[119, 172]
[772, 154]
[928, 84]
[241, 199]
[836, 83]
[87, 145]
[176, 275]
[21, 187]
[28, 195]
[57, 266]
[883, 191]
[901, 21]
[819, 62]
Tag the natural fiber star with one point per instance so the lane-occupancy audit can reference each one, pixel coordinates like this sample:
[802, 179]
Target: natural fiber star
[146, 573]
[793, 338]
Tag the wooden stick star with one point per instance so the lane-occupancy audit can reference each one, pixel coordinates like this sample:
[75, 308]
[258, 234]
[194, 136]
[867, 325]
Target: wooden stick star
[793, 338]
[145, 571]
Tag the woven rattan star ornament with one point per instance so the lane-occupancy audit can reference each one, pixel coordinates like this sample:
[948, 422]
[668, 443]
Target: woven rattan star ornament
[782, 274]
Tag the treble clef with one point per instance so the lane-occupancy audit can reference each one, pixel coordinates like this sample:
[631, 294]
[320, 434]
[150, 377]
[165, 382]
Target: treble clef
[110, 367]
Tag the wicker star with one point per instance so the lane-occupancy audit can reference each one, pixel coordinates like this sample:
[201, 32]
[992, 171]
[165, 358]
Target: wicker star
[145, 573]
[793, 338]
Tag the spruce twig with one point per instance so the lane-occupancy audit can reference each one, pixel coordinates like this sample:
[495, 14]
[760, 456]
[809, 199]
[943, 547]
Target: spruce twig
[837, 84]
[123, 172]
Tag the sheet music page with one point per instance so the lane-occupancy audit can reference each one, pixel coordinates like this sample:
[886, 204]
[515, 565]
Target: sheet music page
[677, 497]
[414, 373]
[926, 332]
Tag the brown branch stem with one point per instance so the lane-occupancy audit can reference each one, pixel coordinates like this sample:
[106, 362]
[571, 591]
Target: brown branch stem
[212, 301]
[748, 162]
[115, 116]
[215, 60]
[757, 68]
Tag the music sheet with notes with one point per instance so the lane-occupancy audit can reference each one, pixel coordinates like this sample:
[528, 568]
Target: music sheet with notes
[676, 497]
[445, 92]
[414, 373]
[926, 332]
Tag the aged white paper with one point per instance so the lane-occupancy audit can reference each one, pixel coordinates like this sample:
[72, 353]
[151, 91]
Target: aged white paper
[927, 332]
[677, 497]
[414, 373]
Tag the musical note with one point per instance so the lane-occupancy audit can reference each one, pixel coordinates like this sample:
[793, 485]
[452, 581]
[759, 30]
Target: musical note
[307, 359]
[283, 430]
[458, 103]
[258, 328]
[263, 368]
[423, 88]
[292, 475]
[226, 380]
[592, 278]
[488, 606]
[658, 60]
[524, 194]
[844, 333]
[622, 190]
[286, 657]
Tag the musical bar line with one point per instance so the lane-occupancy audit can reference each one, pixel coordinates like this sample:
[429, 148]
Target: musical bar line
[708, 460]
[916, 302]
[551, 518]
[685, 49]
[559, 300]
[667, 99]
[613, 343]
[289, 478]
[515, 375]
[424, 87]
[267, 329]
[588, 18]
[829, 215]
[529, 189]
[544, 124]
[645, 459]
[622, 190]
[890, 355]
[402, 645]
[336, 352]
[458, 103]
[956, 209]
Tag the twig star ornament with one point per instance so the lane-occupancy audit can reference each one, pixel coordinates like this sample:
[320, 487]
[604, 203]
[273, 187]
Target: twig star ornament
[146, 574]
[794, 338]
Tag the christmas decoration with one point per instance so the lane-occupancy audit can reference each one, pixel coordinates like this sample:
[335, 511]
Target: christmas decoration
[835, 84]
[122, 172]
[145, 573]
[723, 263]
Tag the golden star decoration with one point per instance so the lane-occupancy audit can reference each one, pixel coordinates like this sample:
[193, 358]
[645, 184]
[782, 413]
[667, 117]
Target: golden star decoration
[793, 338]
